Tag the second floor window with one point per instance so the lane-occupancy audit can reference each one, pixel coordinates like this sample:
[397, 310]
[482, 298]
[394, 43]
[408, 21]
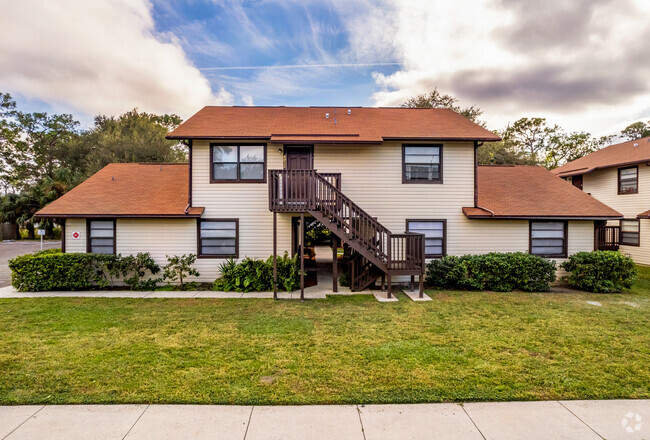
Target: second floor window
[628, 180]
[422, 164]
[238, 163]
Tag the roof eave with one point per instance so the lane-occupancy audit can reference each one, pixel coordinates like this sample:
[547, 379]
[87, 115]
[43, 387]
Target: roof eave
[542, 217]
[95, 215]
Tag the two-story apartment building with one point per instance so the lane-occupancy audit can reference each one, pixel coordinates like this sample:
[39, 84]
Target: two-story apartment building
[619, 175]
[396, 186]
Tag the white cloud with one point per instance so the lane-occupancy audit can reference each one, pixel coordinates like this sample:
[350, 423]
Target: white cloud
[99, 56]
[580, 64]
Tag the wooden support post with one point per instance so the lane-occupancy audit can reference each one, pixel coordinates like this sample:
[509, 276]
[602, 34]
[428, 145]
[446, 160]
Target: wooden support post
[421, 280]
[335, 264]
[383, 282]
[302, 256]
[275, 255]
[412, 283]
[389, 287]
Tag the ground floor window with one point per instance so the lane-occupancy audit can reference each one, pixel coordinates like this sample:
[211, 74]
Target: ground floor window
[630, 232]
[101, 236]
[435, 233]
[218, 238]
[548, 239]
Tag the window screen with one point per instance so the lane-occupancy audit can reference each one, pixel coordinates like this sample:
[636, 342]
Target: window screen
[422, 163]
[630, 232]
[218, 238]
[101, 236]
[628, 181]
[434, 233]
[547, 239]
[238, 163]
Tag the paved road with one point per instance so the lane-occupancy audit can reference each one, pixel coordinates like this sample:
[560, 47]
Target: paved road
[603, 419]
[11, 249]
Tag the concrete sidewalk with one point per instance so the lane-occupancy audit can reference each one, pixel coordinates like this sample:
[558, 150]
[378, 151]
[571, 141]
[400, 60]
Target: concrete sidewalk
[612, 419]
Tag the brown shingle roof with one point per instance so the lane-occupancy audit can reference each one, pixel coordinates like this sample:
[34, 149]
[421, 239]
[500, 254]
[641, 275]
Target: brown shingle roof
[128, 190]
[300, 124]
[532, 192]
[614, 155]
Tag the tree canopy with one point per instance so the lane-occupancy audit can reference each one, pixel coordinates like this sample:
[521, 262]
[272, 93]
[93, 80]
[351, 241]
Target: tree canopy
[43, 156]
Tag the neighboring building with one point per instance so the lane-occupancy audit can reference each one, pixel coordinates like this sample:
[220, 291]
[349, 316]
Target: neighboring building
[619, 175]
[397, 186]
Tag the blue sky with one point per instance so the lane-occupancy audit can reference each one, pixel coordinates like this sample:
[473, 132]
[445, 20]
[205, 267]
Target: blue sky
[227, 41]
[581, 64]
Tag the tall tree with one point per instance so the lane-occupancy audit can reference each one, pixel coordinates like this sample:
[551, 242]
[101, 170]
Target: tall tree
[131, 137]
[435, 99]
[636, 131]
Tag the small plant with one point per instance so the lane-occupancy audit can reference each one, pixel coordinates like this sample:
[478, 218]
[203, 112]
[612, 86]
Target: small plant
[179, 268]
[344, 279]
[600, 271]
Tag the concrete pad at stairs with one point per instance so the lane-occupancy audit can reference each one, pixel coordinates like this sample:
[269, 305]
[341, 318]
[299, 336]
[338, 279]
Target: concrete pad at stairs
[90, 422]
[196, 422]
[415, 295]
[382, 296]
[614, 419]
[444, 421]
[527, 420]
[305, 422]
[11, 417]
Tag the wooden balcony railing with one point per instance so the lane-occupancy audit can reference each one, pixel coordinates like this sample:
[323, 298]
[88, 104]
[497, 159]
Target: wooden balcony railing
[608, 238]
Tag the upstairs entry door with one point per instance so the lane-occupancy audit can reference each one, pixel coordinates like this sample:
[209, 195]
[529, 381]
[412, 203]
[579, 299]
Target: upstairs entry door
[299, 158]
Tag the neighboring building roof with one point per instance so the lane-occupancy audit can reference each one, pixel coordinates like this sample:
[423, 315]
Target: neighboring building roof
[128, 190]
[625, 153]
[645, 214]
[302, 124]
[522, 191]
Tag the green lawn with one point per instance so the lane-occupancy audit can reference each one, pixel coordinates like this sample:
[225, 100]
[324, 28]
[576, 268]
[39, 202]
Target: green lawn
[461, 346]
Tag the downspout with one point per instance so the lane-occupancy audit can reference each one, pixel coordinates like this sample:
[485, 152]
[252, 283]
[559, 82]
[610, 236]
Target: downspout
[189, 191]
[476, 205]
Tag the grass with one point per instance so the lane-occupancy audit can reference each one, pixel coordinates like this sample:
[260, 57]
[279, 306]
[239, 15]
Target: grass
[462, 346]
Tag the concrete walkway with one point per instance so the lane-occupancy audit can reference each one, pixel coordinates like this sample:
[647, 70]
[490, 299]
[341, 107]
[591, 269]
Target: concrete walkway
[613, 419]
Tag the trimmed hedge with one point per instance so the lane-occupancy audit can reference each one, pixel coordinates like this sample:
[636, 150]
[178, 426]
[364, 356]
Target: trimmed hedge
[257, 275]
[499, 272]
[53, 270]
[600, 271]
[57, 271]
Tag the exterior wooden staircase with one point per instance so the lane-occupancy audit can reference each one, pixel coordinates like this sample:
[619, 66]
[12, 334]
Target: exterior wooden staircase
[378, 250]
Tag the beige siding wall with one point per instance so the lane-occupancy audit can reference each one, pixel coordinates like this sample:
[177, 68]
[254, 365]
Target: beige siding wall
[72, 225]
[603, 184]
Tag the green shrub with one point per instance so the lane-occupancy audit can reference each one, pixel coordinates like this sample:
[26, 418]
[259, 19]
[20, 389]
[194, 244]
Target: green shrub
[600, 271]
[253, 275]
[499, 272]
[344, 279]
[134, 269]
[57, 271]
[52, 270]
[179, 267]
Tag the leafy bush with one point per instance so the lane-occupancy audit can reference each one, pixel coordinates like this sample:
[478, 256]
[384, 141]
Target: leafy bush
[52, 270]
[344, 279]
[179, 268]
[600, 271]
[257, 275]
[134, 269]
[499, 272]
[49, 270]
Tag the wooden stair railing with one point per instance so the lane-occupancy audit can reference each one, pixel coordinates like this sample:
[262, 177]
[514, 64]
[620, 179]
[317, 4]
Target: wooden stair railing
[309, 191]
